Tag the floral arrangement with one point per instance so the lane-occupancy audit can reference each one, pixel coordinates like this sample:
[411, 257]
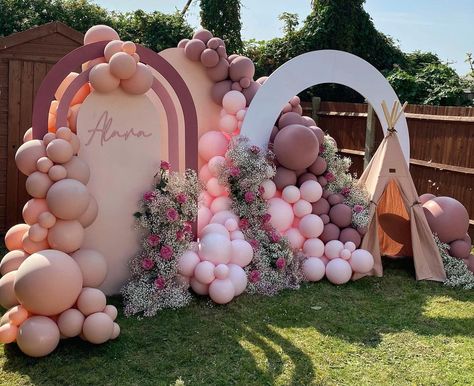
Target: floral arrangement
[274, 266]
[166, 215]
[457, 272]
[341, 181]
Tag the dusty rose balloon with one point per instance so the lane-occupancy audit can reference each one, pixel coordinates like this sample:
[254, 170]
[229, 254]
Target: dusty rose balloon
[426, 197]
[99, 33]
[330, 232]
[319, 166]
[57, 172]
[338, 271]
[12, 260]
[321, 207]
[14, 236]
[187, 263]
[112, 48]
[203, 35]
[221, 271]
[28, 154]
[238, 278]
[281, 214]
[361, 261]
[91, 300]
[333, 248]
[68, 199]
[88, 217]
[70, 323]
[460, 249]
[194, 49]
[111, 311]
[66, 235]
[350, 235]
[242, 253]
[37, 184]
[311, 191]
[59, 151]
[28, 136]
[38, 336]
[8, 297]
[33, 208]
[209, 58]
[204, 272]
[290, 119]
[302, 208]
[447, 217]
[341, 215]
[250, 91]
[93, 266]
[241, 67]
[140, 82]
[198, 287]
[215, 248]
[46, 220]
[313, 269]
[102, 80]
[212, 143]
[122, 65]
[219, 89]
[335, 199]
[269, 189]
[284, 177]
[313, 247]
[98, 328]
[44, 164]
[296, 147]
[36, 289]
[219, 72]
[233, 101]
[295, 238]
[31, 246]
[37, 233]
[311, 226]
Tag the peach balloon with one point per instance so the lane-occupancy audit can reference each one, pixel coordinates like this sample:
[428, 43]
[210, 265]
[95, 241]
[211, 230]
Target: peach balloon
[44, 164]
[28, 154]
[88, 217]
[221, 291]
[295, 238]
[140, 82]
[8, 298]
[115, 332]
[269, 189]
[66, 235]
[338, 271]
[238, 278]
[38, 336]
[37, 184]
[70, 323]
[311, 191]
[77, 169]
[220, 203]
[313, 247]
[17, 315]
[242, 253]
[91, 300]
[290, 194]
[112, 48]
[198, 287]
[212, 143]
[48, 282]
[14, 236]
[311, 226]
[301, 208]
[313, 269]
[99, 33]
[37, 233]
[111, 311]
[32, 210]
[12, 260]
[333, 249]
[93, 266]
[31, 246]
[68, 199]
[281, 214]
[204, 272]
[46, 220]
[102, 80]
[187, 263]
[28, 136]
[8, 333]
[57, 172]
[122, 65]
[59, 151]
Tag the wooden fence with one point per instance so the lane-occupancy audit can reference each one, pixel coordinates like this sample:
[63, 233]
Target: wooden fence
[441, 141]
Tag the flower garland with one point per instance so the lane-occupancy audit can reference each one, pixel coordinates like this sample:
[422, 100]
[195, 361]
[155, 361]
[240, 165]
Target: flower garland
[274, 266]
[166, 215]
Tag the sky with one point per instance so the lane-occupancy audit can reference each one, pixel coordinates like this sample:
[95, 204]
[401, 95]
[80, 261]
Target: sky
[444, 27]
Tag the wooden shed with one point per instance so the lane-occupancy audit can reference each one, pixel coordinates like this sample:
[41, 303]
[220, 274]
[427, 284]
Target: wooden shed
[25, 58]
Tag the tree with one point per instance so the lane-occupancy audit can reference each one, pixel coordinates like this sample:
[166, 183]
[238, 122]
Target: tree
[222, 18]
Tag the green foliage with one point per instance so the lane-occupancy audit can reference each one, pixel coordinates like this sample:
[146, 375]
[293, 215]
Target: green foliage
[154, 29]
[222, 18]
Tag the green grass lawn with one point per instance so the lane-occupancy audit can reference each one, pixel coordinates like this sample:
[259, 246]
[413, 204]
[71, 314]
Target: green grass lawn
[391, 330]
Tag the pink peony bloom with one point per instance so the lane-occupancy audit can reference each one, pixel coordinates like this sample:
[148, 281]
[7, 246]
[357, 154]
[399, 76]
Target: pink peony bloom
[166, 252]
[275, 236]
[181, 198]
[165, 165]
[358, 208]
[149, 196]
[266, 218]
[329, 177]
[234, 171]
[254, 149]
[280, 263]
[249, 197]
[153, 240]
[160, 282]
[254, 276]
[243, 223]
[254, 243]
[172, 215]
[147, 263]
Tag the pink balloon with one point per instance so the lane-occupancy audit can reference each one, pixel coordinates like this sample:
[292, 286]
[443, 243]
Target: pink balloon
[361, 261]
[221, 291]
[291, 194]
[333, 249]
[204, 272]
[228, 123]
[187, 263]
[345, 254]
[295, 238]
[215, 228]
[215, 248]
[281, 214]
[220, 203]
[238, 278]
[221, 271]
[215, 164]
[211, 144]
[338, 271]
[233, 101]
[311, 191]
[198, 287]
[214, 188]
[313, 269]
[204, 217]
[242, 253]
[269, 188]
[313, 247]
[301, 208]
[311, 226]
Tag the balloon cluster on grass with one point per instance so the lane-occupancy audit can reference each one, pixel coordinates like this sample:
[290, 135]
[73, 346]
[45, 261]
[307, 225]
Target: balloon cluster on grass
[48, 281]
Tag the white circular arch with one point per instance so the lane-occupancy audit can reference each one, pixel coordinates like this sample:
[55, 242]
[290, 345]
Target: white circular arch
[313, 68]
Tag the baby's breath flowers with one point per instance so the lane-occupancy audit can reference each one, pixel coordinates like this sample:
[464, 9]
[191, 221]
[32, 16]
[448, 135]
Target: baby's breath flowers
[166, 215]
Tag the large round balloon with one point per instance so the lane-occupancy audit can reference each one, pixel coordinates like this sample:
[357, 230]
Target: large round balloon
[68, 199]
[48, 282]
[296, 147]
[38, 336]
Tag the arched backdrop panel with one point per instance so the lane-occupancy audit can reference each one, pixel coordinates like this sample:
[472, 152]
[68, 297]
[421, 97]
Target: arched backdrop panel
[313, 68]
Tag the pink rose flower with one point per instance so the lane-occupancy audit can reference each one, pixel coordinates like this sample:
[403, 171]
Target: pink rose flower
[249, 197]
[153, 240]
[280, 263]
[172, 215]
[254, 276]
[147, 263]
[165, 165]
[243, 223]
[358, 208]
[166, 252]
[149, 196]
[234, 171]
[181, 198]
[160, 282]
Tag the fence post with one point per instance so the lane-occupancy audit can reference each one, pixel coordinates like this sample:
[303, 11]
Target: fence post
[369, 135]
[315, 106]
